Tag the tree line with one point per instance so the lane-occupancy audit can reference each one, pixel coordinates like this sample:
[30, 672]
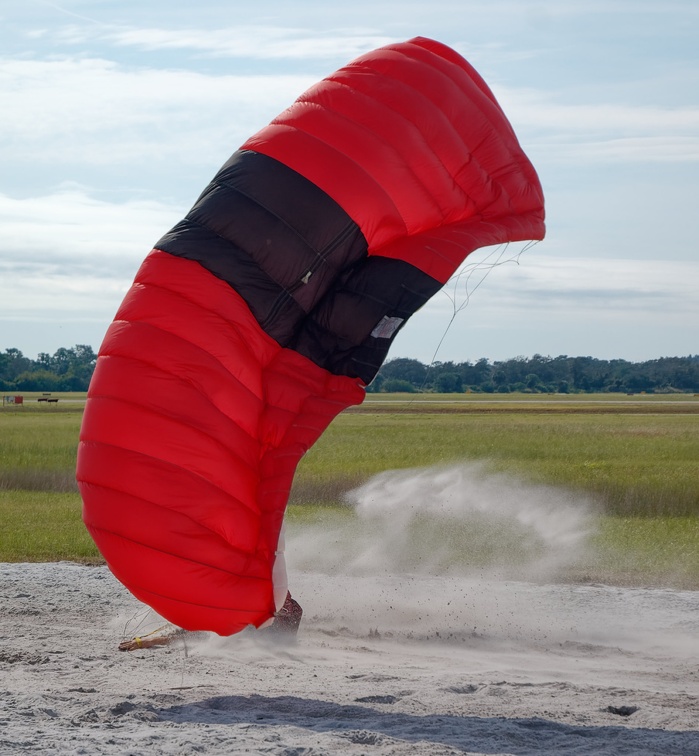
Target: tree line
[71, 370]
[542, 375]
[65, 370]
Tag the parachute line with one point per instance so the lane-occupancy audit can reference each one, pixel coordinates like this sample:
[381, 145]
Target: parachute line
[469, 270]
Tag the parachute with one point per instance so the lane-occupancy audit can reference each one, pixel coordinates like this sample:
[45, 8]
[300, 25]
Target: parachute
[268, 309]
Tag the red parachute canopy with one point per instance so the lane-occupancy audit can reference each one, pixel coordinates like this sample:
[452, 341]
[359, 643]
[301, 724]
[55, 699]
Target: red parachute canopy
[265, 312]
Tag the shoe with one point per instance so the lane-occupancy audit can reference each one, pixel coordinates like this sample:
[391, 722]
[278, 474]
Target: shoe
[288, 618]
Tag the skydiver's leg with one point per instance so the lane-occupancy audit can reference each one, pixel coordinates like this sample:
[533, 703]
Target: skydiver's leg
[288, 618]
[286, 621]
[149, 642]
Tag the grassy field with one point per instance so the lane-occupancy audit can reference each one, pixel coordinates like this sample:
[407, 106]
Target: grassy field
[636, 456]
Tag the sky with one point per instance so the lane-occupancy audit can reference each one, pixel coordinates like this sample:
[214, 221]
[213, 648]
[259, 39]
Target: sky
[115, 114]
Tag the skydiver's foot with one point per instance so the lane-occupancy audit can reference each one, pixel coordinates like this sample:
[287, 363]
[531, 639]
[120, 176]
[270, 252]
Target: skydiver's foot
[136, 643]
[287, 619]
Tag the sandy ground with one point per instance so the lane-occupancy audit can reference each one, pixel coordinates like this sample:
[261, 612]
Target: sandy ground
[383, 664]
[436, 621]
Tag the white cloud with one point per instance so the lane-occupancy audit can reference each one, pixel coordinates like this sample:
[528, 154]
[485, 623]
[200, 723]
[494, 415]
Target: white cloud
[609, 308]
[537, 109]
[70, 255]
[550, 284]
[140, 111]
[253, 41]
[651, 149]
[97, 112]
[71, 227]
[45, 297]
[603, 132]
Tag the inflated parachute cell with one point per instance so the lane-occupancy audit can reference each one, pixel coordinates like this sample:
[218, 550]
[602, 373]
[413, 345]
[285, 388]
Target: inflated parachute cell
[266, 311]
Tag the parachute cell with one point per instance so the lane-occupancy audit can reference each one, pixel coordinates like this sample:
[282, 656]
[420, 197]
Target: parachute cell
[269, 307]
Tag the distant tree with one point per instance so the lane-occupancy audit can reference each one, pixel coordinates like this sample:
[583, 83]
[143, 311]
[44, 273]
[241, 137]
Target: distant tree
[476, 375]
[375, 386]
[65, 370]
[40, 380]
[395, 385]
[533, 383]
[449, 383]
[70, 369]
[406, 369]
[500, 379]
[545, 374]
[12, 364]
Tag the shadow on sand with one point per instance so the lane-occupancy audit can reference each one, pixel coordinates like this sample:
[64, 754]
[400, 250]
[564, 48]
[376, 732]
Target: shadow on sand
[370, 726]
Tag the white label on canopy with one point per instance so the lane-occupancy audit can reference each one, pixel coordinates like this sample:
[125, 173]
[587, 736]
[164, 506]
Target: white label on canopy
[386, 327]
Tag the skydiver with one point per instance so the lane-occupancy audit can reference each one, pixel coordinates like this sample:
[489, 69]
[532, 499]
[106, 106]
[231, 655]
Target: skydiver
[286, 623]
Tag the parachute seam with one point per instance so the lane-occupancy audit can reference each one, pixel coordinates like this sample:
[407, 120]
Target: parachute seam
[286, 294]
[184, 559]
[162, 506]
[320, 254]
[459, 227]
[325, 399]
[160, 414]
[231, 323]
[417, 294]
[371, 179]
[428, 193]
[447, 171]
[226, 543]
[236, 190]
[482, 89]
[201, 389]
[364, 295]
[461, 190]
[357, 361]
[86, 439]
[468, 94]
[231, 243]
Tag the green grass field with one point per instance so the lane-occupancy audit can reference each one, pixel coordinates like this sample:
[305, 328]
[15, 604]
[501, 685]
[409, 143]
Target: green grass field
[634, 463]
[636, 456]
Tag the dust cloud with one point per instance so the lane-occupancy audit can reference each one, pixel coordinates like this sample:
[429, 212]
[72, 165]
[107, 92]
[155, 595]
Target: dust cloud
[459, 554]
[459, 520]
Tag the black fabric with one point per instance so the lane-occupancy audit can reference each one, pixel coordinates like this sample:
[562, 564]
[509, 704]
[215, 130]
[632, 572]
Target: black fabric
[339, 333]
[300, 263]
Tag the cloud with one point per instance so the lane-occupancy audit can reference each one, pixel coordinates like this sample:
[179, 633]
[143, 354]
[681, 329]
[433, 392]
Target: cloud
[257, 42]
[70, 226]
[651, 149]
[96, 112]
[602, 132]
[67, 259]
[69, 253]
[254, 42]
[608, 308]
[60, 248]
[549, 284]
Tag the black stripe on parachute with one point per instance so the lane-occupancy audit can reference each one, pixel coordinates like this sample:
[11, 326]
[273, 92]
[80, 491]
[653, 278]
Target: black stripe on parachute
[300, 263]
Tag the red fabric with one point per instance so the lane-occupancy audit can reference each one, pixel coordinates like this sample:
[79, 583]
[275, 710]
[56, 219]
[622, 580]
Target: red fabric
[411, 142]
[185, 462]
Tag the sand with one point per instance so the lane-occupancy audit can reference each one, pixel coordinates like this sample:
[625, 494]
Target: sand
[439, 621]
[382, 665]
